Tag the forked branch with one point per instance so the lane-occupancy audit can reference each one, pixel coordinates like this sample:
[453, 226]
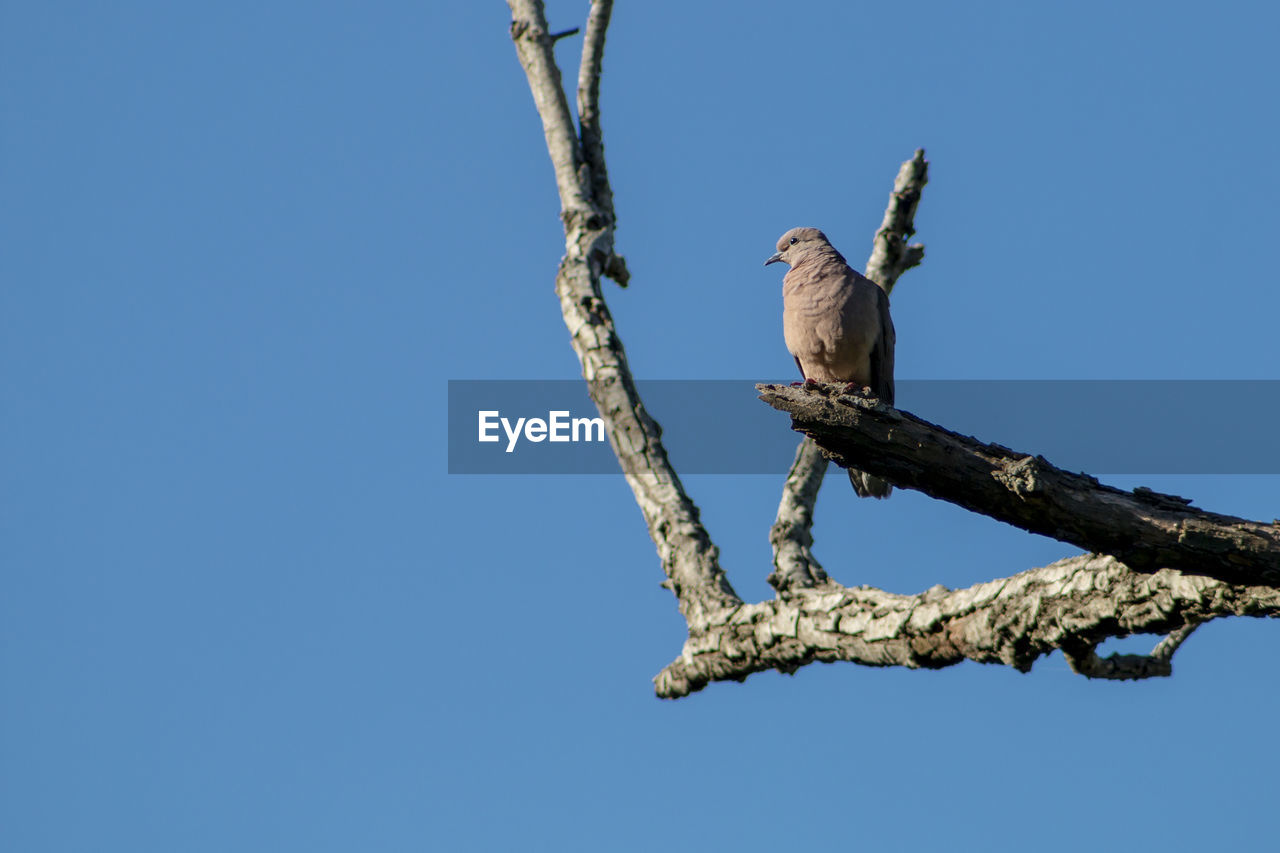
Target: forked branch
[689, 559]
[1072, 605]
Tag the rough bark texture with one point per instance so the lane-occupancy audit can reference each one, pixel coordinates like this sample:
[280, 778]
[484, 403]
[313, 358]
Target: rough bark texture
[1144, 529]
[791, 536]
[891, 256]
[1071, 605]
[689, 558]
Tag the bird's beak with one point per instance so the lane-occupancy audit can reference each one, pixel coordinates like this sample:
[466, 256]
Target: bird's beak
[774, 258]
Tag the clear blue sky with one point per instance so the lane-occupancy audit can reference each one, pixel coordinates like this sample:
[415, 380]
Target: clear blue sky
[246, 245]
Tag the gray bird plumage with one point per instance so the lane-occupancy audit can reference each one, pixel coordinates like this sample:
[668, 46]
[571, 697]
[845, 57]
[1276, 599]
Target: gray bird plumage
[836, 324]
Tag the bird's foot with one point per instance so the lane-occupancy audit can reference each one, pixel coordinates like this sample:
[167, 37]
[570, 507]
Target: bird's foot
[811, 383]
[855, 388]
[796, 384]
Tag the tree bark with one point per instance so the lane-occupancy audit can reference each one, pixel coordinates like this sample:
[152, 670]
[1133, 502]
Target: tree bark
[1071, 605]
[1144, 529]
[689, 559]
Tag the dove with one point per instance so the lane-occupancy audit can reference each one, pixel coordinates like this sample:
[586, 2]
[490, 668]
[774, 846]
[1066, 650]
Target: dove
[836, 324]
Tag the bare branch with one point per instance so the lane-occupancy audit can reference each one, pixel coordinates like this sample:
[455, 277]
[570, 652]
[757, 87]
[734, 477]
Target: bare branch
[791, 537]
[589, 130]
[1144, 529]
[795, 567]
[1083, 658]
[890, 255]
[1074, 603]
[689, 559]
[1165, 648]
[534, 48]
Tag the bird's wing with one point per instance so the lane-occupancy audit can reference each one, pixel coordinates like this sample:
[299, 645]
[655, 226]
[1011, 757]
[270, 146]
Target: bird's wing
[882, 352]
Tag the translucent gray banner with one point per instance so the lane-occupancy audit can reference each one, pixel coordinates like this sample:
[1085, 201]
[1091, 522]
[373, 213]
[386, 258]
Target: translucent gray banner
[720, 427]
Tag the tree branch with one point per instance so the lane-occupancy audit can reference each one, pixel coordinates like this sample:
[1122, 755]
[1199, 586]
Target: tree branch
[689, 558]
[1144, 529]
[589, 131]
[794, 564]
[795, 567]
[534, 47]
[1074, 603]
[890, 254]
[1083, 658]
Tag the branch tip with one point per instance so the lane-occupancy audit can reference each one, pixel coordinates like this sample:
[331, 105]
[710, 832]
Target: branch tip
[616, 270]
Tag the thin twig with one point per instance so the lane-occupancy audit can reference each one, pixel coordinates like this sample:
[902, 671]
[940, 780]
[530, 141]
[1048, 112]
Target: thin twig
[1083, 658]
[589, 130]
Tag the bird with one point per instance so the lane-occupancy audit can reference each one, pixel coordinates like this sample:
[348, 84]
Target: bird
[836, 325]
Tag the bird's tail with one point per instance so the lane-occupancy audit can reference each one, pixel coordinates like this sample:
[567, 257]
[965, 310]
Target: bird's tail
[868, 486]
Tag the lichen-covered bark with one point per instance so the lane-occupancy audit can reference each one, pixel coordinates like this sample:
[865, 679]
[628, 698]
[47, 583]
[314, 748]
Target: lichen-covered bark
[689, 558]
[891, 255]
[1072, 604]
[791, 535]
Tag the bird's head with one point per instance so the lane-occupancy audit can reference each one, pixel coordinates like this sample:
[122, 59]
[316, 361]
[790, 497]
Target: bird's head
[797, 243]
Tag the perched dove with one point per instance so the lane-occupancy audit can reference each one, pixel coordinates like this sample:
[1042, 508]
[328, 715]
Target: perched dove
[836, 323]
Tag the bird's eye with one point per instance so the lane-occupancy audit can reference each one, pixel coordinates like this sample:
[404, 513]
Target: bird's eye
[794, 240]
